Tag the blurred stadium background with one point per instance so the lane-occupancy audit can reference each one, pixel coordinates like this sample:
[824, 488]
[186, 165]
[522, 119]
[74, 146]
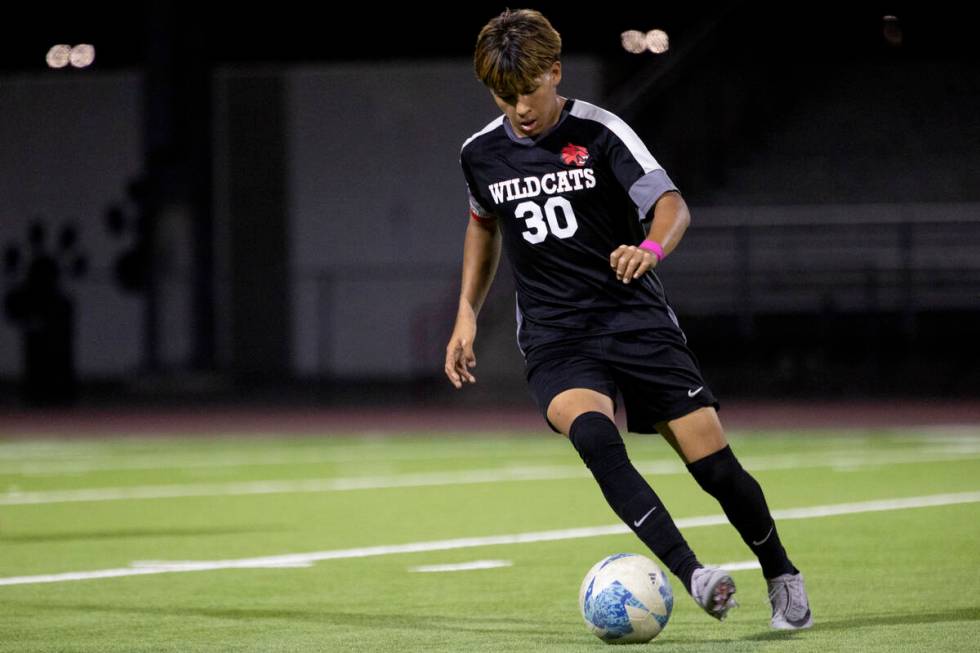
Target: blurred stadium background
[262, 210]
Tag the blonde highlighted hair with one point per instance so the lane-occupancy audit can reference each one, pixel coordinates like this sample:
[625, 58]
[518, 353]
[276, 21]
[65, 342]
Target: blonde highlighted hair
[514, 49]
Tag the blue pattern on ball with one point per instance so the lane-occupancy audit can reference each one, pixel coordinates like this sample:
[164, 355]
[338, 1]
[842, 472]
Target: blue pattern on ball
[668, 596]
[615, 557]
[607, 609]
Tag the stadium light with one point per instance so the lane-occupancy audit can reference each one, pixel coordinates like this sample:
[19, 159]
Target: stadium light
[636, 42]
[82, 55]
[79, 56]
[58, 56]
[656, 41]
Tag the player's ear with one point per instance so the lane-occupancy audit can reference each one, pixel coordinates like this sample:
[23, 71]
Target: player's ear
[555, 73]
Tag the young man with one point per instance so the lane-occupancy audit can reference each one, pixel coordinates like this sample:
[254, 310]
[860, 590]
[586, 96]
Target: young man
[568, 188]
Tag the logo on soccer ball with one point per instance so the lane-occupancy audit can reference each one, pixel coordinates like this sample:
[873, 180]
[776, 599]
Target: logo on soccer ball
[574, 154]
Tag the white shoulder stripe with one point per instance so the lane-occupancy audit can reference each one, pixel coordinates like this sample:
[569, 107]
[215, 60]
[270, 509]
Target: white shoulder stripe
[616, 125]
[493, 124]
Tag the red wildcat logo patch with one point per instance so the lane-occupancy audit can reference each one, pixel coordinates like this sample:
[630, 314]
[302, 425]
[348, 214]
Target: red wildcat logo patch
[574, 154]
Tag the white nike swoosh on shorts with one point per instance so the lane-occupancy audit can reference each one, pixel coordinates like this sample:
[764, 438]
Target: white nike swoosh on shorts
[691, 393]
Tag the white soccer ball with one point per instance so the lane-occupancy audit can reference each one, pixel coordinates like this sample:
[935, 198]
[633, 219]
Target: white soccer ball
[626, 599]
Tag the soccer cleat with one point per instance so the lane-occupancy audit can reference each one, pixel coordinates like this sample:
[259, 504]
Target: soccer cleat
[714, 590]
[790, 605]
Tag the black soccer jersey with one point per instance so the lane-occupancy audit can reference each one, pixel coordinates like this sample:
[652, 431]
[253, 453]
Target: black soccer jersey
[564, 202]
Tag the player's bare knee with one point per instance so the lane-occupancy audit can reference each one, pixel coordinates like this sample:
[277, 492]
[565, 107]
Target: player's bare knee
[561, 414]
[568, 405]
[696, 434]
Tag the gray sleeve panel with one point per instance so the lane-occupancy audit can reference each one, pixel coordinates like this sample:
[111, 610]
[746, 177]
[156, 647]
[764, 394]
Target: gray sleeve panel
[477, 208]
[648, 189]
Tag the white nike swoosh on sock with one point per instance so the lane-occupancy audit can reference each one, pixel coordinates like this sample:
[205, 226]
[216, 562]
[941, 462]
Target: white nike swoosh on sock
[642, 519]
[763, 540]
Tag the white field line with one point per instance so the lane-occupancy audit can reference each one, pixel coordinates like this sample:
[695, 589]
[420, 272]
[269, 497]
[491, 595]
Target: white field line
[852, 461]
[305, 559]
[66, 458]
[743, 565]
[463, 566]
[146, 462]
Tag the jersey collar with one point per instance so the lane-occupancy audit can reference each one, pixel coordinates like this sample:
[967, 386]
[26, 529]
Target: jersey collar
[527, 140]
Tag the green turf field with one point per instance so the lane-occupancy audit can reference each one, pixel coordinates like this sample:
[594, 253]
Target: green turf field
[882, 576]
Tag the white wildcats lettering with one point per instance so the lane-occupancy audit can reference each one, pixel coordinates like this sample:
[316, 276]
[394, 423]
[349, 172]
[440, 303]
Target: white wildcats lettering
[552, 183]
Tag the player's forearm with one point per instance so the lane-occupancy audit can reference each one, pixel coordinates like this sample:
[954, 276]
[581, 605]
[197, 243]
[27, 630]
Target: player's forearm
[671, 218]
[481, 254]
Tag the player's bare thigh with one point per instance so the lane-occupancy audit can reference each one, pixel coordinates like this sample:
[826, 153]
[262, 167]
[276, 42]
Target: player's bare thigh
[569, 404]
[695, 435]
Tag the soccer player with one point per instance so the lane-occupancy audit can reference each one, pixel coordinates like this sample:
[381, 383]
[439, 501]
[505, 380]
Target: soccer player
[586, 214]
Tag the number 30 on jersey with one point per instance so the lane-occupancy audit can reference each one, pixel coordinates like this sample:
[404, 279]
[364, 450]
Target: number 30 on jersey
[537, 225]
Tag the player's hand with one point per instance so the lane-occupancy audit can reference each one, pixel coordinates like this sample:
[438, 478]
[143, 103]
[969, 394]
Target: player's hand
[459, 354]
[631, 262]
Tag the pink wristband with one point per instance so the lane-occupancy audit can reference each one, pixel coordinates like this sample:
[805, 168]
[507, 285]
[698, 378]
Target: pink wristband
[654, 246]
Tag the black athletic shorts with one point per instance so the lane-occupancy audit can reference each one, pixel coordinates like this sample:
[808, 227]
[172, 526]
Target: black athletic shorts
[657, 374]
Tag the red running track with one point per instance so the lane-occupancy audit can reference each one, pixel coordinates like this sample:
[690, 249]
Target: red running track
[224, 420]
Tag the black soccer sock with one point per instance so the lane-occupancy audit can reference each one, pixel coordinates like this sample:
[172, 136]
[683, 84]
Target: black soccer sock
[722, 476]
[598, 442]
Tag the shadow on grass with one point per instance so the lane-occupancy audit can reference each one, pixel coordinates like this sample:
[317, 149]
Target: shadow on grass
[82, 536]
[556, 633]
[869, 620]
